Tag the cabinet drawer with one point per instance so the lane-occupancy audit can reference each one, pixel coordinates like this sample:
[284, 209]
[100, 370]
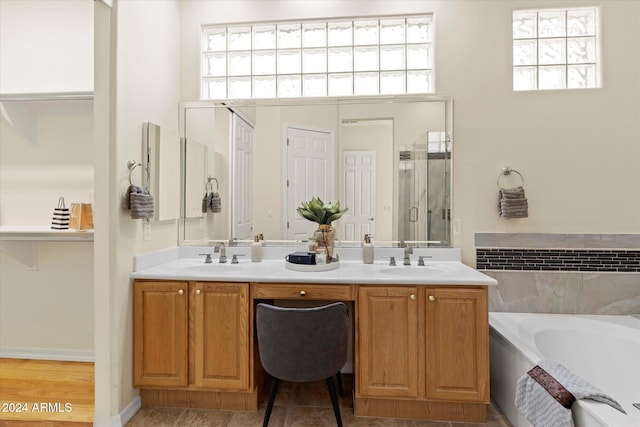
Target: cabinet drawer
[303, 291]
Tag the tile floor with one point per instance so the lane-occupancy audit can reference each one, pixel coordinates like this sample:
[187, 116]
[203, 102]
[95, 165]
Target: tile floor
[296, 405]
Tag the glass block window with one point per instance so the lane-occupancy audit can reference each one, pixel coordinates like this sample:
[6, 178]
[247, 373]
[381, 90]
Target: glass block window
[367, 56]
[556, 49]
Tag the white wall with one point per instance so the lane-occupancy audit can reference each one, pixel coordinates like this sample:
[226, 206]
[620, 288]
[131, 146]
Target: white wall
[45, 46]
[137, 80]
[578, 150]
[46, 151]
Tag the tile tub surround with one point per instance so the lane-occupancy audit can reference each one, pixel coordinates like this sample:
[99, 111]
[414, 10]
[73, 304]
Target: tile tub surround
[557, 279]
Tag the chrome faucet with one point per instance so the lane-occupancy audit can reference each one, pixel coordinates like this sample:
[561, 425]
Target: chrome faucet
[408, 249]
[223, 253]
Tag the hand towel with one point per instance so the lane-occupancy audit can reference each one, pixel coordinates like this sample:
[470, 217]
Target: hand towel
[140, 202]
[205, 203]
[215, 203]
[512, 203]
[545, 394]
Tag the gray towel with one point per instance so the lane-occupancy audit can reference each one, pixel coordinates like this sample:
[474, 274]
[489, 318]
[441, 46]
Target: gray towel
[205, 203]
[215, 203]
[542, 409]
[140, 202]
[512, 203]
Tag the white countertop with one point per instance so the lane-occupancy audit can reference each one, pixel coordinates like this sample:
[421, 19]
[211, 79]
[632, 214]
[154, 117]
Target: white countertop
[350, 272]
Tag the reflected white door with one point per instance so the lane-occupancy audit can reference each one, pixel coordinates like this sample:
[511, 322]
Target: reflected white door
[310, 173]
[242, 191]
[358, 193]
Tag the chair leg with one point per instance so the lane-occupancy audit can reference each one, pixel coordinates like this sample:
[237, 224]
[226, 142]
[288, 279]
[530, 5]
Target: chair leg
[272, 397]
[339, 378]
[334, 400]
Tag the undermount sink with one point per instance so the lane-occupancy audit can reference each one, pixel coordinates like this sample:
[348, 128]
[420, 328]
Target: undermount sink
[214, 268]
[410, 271]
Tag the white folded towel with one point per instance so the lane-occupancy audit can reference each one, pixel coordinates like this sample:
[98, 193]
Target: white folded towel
[544, 395]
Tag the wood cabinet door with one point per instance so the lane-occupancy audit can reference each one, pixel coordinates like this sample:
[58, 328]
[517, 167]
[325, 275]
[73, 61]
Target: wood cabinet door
[160, 334]
[457, 344]
[387, 340]
[222, 335]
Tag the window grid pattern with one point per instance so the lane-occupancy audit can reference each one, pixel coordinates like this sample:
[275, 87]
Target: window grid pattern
[555, 49]
[368, 56]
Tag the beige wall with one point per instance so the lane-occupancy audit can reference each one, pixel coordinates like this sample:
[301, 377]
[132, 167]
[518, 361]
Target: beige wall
[578, 150]
[47, 312]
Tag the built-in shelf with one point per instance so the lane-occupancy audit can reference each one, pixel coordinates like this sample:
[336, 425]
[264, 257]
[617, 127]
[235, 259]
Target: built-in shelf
[21, 241]
[21, 110]
[46, 96]
[42, 233]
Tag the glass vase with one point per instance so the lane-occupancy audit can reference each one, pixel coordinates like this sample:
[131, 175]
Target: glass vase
[325, 237]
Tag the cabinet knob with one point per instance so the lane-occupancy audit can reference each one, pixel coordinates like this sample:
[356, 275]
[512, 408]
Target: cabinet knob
[180, 292]
[432, 298]
[412, 297]
[198, 291]
[303, 293]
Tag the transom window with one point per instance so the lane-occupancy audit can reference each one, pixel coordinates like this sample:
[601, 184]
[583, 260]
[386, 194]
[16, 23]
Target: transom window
[367, 56]
[556, 49]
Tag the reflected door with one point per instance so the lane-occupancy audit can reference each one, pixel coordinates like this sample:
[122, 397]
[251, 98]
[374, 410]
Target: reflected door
[310, 173]
[358, 193]
[242, 191]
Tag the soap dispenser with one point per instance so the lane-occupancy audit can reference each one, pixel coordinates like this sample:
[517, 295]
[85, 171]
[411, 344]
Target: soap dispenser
[256, 249]
[367, 250]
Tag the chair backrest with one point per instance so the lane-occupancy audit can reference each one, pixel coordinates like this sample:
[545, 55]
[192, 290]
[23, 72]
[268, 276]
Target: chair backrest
[302, 344]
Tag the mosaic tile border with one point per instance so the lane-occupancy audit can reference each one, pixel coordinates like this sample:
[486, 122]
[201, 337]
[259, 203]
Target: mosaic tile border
[592, 260]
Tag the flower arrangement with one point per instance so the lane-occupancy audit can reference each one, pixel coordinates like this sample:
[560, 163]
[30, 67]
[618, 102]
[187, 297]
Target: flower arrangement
[323, 213]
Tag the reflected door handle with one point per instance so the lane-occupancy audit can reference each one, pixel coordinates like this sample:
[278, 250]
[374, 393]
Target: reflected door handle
[371, 219]
[413, 214]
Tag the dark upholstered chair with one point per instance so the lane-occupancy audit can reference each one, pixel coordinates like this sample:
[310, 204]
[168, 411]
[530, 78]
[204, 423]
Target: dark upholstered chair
[302, 345]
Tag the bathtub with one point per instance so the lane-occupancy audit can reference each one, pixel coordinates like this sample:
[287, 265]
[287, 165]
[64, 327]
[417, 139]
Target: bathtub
[604, 350]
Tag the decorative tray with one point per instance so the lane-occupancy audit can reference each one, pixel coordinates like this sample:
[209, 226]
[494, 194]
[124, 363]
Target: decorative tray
[312, 267]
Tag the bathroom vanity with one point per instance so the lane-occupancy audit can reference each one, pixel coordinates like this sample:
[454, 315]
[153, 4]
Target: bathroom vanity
[420, 333]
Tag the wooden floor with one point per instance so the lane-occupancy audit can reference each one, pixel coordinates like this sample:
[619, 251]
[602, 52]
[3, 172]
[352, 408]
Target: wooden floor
[46, 393]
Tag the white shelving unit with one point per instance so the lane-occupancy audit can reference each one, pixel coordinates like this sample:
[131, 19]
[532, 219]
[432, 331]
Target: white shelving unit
[21, 241]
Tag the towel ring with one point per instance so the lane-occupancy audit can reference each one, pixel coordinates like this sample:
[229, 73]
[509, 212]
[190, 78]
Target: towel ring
[131, 164]
[209, 179]
[507, 171]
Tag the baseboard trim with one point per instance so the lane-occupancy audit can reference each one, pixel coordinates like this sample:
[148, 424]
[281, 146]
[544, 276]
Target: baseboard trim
[127, 413]
[47, 354]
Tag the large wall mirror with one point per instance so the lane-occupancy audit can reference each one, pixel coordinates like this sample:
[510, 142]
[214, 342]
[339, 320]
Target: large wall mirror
[386, 159]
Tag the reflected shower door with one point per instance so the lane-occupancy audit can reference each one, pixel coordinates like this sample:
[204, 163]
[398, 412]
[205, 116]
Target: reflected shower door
[412, 195]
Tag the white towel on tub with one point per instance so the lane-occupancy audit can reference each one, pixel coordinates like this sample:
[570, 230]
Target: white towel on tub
[542, 409]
